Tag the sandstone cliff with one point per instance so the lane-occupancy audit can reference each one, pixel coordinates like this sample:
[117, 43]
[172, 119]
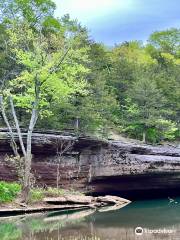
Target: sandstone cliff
[99, 167]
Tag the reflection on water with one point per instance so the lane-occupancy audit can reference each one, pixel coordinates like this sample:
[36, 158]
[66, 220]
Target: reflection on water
[156, 215]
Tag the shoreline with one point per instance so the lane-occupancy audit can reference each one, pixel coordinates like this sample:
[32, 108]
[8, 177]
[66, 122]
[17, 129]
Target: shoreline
[65, 203]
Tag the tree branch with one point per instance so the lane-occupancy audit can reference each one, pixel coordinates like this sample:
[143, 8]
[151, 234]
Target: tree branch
[61, 61]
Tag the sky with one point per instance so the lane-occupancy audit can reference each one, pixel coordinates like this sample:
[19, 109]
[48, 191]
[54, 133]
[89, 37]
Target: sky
[115, 21]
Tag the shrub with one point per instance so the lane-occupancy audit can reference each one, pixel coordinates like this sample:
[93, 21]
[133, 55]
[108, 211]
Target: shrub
[8, 191]
[54, 192]
[36, 194]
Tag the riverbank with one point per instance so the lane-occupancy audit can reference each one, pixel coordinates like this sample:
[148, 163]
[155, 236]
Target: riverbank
[67, 202]
[51, 199]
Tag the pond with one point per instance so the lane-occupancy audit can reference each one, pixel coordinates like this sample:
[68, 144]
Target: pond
[156, 219]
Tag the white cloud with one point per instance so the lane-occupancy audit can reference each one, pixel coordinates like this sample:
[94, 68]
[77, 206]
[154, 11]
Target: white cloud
[90, 10]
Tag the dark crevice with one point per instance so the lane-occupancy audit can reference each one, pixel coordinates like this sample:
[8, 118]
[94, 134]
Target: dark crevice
[142, 195]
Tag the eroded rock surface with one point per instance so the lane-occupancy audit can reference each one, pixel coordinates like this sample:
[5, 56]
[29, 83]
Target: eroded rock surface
[97, 166]
[90, 201]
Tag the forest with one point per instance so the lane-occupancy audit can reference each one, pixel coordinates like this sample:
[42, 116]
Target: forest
[53, 75]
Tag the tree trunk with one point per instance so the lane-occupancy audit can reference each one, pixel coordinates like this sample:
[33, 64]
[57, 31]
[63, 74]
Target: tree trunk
[77, 124]
[144, 137]
[62, 147]
[17, 127]
[58, 176]
[13, 142]
[28, 158]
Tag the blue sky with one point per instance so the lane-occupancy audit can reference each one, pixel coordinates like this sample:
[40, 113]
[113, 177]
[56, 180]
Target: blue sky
[115, 21]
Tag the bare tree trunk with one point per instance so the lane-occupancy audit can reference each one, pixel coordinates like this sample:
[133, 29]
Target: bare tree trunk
[77, 124]
[62, 147]
[144, 137]
[28, 158]
[90, 173]
[13, 142]
[17, 126]
[58, 165]
[58, 176]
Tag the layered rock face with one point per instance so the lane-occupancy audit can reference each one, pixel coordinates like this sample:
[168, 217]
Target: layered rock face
[99, 167]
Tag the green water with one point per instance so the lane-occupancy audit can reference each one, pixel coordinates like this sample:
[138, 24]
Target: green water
[151, 216]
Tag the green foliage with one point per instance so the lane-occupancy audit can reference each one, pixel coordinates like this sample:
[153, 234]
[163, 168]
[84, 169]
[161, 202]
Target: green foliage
[166, 41]
[37, 194]
[8, 191]
[9, 231]
[34, 12]
[166, 129]
[146, 82]
[133, 88]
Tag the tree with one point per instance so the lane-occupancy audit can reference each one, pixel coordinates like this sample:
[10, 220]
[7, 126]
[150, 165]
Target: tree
[166, 41]
[51, 72]
[145, 112]
[130, 88]
[63, 145]
[35, 12]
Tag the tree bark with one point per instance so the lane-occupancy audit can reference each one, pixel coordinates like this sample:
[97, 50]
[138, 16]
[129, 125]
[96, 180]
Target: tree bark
[17, 126]
[58, 176]
[28, 158]
[13, 142]
[144, 137]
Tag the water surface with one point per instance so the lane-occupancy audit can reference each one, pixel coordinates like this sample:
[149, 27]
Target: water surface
[152, 215]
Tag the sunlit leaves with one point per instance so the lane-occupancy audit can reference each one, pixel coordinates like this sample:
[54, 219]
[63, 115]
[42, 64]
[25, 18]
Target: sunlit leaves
[57, 71]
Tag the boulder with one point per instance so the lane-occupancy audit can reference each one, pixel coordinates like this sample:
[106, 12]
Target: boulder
[87, 200]
[108, 199]
[69, 199]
